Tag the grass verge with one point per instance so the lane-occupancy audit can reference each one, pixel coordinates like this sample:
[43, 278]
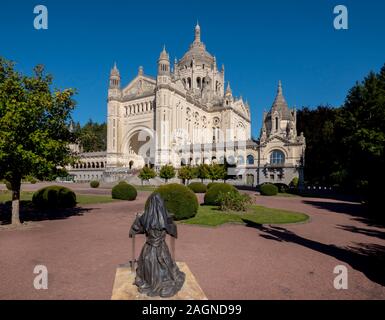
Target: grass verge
[212, 216]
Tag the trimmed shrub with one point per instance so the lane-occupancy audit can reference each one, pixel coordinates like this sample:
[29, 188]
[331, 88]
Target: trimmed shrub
[268, 189]
[180, 201]
[124, 191]
[294, 182]
[233, 201]
[212, 194]
[94, 184]
[53, 197]
[282, 187]
[32, 181]
[197, 187]
[209, 185]
[8, 185]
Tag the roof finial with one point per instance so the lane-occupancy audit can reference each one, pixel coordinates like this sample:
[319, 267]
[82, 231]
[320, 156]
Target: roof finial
[228, 89]
[114, 70]
[279, 87]
[197, 33]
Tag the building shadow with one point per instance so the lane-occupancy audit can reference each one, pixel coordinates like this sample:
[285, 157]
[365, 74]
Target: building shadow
[29, 213]
[365, 231]
[366, 258]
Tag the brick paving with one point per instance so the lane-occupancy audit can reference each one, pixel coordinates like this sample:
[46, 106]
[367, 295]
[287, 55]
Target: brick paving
[230, 262]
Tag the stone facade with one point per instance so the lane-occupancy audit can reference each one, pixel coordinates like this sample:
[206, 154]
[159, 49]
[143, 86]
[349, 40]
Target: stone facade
[187, 116]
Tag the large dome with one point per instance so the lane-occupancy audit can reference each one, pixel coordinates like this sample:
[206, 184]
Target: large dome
[197, 52]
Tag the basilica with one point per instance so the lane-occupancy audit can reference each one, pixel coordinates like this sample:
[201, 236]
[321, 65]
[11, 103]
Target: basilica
[188, 115]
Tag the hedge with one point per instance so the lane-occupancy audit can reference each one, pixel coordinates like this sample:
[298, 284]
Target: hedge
[268, 189]
[94, 184]
[197, 187]
[124, 191]
[180, 201]
[212, 194]
[54, 197]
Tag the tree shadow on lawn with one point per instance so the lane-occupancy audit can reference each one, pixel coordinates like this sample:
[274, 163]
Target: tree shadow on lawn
[29, 213]
[366, 258]
[356, 210]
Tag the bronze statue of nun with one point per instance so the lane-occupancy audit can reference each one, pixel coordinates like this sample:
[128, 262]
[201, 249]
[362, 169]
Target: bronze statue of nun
[157, 273]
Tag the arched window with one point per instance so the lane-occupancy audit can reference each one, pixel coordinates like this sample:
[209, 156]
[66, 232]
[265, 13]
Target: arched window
[198, 82]
[189, 82]
[250, 159]
[277, 157]
[276, 123]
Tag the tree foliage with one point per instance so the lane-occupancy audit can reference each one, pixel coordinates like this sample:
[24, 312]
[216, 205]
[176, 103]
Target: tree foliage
[167, 172]
[216, 172]
[345, 146]
[202, 171]
[186, 173]
[92, 136]
[146, 174]
[34, 127]
[321, 154]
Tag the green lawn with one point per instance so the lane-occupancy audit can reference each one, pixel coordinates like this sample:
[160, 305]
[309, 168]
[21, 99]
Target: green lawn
[289, 195]
[81, 198]
[212, 216]
[145, 188]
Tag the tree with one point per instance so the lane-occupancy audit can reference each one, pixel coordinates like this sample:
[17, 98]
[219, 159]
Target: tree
[216, 172]
[322, 144]
[146, 174]
[167, 172]
[34, 128]
[186, 173]
[202, 171]
[92, 136]
[361, 126]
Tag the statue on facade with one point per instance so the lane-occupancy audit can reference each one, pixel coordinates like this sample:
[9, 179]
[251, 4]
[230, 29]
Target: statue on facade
[157, 273]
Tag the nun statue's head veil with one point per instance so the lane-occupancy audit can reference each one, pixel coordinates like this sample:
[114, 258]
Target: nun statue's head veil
[155, 215]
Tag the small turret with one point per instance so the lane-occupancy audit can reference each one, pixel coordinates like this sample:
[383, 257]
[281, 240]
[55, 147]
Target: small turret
[164, 63]
[114, 85]
[114, 77]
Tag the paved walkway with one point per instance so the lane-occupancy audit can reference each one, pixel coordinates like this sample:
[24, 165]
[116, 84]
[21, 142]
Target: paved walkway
[229, 262]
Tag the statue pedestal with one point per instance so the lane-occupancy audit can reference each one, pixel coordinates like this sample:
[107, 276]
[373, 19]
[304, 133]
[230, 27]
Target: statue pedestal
[124, 289]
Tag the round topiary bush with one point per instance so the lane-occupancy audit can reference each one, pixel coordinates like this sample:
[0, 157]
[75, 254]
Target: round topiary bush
[124, 191]
[210, 184]
[180, 201]
[282, 187]
[268, 189]
[198, 187]
[54, 197]
[94, 184]
[212, 194]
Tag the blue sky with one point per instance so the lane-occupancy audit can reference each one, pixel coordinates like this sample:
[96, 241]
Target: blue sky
[259, 42]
